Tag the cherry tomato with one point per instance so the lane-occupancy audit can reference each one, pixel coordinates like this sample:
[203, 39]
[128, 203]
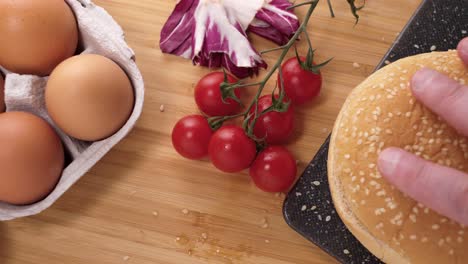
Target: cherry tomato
[208, 96]
[274, 169]
[231, 150]
[274, 127]
[191, 136]
[300, 85]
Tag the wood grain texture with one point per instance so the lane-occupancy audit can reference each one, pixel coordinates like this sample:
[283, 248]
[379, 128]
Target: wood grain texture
[107, 217]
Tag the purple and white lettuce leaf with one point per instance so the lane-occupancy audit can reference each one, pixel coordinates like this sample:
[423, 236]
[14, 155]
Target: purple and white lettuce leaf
[266, 31]
[275, 22]
[176, 34]
[213, 34]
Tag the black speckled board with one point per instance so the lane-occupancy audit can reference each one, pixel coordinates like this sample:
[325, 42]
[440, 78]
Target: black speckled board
[308, 208]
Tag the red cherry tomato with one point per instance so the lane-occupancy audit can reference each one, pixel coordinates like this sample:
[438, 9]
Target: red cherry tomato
[191, 136]
[231, 150]
[300, 85]
[208, 96]
[274, 127]
[274, 169]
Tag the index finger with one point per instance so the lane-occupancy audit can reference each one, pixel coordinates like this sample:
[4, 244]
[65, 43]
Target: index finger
[463, 50]
[443, 95]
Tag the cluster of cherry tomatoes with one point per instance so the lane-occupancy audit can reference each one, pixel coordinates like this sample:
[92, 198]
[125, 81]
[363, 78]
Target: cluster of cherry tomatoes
[229, 147]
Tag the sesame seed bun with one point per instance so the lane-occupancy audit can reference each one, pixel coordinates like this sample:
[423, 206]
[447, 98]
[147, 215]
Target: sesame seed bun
[382, 112]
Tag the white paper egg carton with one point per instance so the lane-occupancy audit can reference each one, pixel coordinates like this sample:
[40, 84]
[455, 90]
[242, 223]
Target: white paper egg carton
[99, 34]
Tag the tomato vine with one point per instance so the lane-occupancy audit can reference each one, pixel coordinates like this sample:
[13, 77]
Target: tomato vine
[278, 103]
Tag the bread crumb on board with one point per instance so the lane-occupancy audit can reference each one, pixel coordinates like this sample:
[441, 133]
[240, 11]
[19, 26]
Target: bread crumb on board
[264, 223]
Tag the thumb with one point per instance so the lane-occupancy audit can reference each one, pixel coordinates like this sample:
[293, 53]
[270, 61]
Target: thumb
[442, 189]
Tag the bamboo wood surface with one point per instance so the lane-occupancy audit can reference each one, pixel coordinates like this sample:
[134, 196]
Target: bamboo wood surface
[145, 204]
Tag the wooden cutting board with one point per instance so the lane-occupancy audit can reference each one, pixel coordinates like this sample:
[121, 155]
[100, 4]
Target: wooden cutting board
[145, 204]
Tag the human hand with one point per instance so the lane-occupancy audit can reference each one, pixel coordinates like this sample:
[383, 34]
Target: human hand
[443, 189]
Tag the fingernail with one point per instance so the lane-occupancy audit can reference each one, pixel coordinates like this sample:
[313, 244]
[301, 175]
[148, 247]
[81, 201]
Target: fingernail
[463, 46]
[422, 79]
[388, 161]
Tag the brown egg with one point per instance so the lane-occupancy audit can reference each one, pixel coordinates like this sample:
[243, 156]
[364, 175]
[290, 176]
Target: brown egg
[89, 97]
[36, 35]
[31, 158]
[2, 94]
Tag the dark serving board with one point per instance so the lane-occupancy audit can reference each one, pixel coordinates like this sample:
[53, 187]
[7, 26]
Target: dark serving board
[308, 207]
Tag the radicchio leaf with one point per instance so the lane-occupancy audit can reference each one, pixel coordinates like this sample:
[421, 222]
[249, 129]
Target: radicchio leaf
[176, 35]
[275, 22]
[212, 33]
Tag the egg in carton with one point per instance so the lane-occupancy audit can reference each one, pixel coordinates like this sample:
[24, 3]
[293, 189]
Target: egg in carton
[99, 34]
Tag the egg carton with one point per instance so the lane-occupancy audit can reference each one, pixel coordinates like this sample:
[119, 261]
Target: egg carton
[99, 34]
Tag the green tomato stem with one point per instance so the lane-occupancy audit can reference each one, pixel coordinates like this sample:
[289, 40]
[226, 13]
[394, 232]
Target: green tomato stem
[301, 4]
[243, 85]
[330, 7]
[273, 49]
